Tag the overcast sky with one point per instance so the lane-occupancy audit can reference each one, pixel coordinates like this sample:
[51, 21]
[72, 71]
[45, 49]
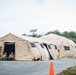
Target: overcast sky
[20, 16]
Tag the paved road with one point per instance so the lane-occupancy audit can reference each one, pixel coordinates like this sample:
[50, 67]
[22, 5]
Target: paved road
[33, 68]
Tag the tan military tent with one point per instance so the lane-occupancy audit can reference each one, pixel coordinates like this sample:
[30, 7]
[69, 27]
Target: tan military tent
[21, 48]
[66, 47]
[50, 49]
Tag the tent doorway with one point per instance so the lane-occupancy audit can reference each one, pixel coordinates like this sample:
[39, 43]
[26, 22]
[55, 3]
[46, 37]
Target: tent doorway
[9, 50]
[50, 57]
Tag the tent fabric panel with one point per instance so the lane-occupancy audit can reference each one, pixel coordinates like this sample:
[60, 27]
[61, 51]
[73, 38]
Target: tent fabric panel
[35, 52]
[42, 52]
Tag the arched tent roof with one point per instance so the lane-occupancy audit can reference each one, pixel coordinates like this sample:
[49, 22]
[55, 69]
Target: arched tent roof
[56, 39]
[31, 39]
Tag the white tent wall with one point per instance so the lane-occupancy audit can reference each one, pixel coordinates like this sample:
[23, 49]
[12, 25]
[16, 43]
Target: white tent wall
[65, 53]
[22, 51]
[71, 44]
[74, 53]
[46, 52]
[42, 52]
[75, 50]
[54, 52]
[61, 51]
[35, 52]
[72, 48]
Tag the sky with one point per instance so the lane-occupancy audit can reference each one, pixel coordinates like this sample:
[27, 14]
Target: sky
[20, 16]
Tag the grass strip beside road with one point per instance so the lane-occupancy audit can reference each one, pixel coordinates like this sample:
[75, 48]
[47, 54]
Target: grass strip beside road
[69, 71]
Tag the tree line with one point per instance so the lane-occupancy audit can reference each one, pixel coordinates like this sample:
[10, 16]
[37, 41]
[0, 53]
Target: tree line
[70, 35]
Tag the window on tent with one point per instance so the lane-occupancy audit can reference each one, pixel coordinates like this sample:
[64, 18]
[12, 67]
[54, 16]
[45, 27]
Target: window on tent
[55, 46]
[42, 45]
[49, 46]
[32, 44]
[66, 47]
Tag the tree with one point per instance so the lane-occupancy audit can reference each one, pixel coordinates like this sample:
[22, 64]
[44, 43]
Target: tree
[65, 34]
[72, 34]
[54, 32]
[24, 34]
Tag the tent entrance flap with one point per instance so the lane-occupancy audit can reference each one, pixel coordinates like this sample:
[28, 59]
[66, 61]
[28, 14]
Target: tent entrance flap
[9, 49]
[50, 57]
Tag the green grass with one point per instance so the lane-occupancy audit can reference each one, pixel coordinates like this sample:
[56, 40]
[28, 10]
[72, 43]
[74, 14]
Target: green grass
[69, 71]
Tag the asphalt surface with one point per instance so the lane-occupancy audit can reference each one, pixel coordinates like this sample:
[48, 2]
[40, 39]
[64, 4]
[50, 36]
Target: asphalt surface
[34, 67]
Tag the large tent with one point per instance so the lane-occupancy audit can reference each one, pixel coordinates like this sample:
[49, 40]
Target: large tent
[21, 48]
[66, 48]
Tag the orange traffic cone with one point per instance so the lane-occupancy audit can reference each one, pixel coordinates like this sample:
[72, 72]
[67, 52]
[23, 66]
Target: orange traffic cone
[51, 72]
